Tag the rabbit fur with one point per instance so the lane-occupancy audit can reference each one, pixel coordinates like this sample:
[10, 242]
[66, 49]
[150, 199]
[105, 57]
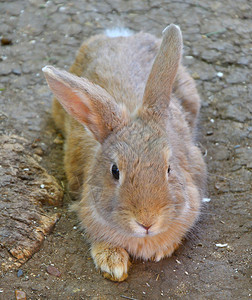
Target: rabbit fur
[130, 106]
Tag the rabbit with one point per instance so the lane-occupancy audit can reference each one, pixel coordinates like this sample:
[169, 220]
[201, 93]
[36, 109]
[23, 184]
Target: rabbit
[129, 113]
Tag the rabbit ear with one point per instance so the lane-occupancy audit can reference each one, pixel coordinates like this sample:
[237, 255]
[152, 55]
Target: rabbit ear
[159, 85]
[88, 103]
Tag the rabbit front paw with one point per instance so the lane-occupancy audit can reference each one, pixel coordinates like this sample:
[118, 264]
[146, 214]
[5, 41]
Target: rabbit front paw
[112, 261]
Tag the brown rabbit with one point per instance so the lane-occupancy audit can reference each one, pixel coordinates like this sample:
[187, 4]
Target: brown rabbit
[130, 151]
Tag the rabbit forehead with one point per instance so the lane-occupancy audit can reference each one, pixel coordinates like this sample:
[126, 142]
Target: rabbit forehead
[138, 142]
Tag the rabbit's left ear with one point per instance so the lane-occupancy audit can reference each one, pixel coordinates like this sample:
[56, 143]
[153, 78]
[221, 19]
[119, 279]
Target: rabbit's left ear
[158, 89]
[88, 103]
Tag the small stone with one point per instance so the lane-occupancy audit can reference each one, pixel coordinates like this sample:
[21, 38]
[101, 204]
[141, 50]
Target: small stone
[20, 295]
[6, 41]
[222, 186]
[62, 9]
[189, 57]
[16, 72]
[37, 157]
[206, 200]
[58, 140]
[38, 151]
[20, 273]
[220, 74]
[53, 271]
[221, 245]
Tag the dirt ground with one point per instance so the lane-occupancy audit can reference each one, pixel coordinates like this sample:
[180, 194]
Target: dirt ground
[213, 262]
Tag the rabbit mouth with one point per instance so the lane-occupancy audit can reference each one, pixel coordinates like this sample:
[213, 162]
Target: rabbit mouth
[143, 230]
[144, 234]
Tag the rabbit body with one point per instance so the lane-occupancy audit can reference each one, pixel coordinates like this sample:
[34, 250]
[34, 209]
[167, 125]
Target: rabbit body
[139, 110]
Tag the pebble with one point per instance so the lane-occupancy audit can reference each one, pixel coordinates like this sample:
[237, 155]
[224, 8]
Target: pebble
[53, 271]
[20, 295]
[20, 273]
[206, 200]
[222, 186]
[6, 41]
[58, 140]
[220, 74]
[221, 245]
[62, 9]
[16, 72]
[38, 151]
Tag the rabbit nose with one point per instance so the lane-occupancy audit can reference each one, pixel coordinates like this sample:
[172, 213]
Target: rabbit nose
[145, 227]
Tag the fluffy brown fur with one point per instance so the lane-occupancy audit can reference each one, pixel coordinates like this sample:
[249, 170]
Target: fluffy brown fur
[135, 108]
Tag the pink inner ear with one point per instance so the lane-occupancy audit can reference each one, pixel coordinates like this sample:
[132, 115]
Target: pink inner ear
[70, 100]
[75, 107]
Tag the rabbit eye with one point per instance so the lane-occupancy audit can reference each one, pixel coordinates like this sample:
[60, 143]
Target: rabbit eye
[115, 172]
[169, 170]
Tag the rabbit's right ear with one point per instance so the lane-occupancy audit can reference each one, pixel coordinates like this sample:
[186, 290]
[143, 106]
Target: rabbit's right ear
[88, 103]
[158, 89]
